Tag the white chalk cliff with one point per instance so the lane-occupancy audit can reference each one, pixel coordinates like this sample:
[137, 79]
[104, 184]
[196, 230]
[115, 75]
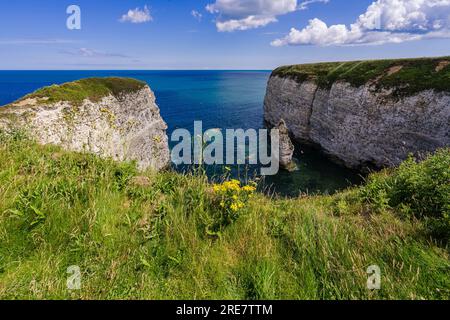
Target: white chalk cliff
[360, 125]
[122, 124]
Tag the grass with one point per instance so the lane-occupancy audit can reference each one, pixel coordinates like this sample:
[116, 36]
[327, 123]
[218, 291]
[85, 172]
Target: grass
[416, 75]
[147, 236]
[93, 89]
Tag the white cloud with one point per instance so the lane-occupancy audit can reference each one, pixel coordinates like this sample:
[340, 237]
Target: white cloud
[35, 41]
[86, 52]
[137, 16]
[248, 14]
[385, 21]
[250, 22]
[92, 53]
[197, 15]
[305, 4]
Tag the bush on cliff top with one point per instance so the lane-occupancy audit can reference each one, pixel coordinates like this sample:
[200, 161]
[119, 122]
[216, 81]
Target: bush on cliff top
[92, 88]
[405, 76]
[146, 237]
[416, 189]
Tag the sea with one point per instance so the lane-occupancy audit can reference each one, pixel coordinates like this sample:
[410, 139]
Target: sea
[230, 99]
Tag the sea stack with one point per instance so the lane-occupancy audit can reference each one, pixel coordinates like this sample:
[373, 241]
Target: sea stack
[286, 148]
[111, 117]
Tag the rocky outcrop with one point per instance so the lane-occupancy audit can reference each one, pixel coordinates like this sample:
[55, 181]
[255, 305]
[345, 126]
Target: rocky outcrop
[361, 124]
[286, 148]
[115, 118]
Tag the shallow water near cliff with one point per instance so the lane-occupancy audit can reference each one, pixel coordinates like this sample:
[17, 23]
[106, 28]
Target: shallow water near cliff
[221, 99]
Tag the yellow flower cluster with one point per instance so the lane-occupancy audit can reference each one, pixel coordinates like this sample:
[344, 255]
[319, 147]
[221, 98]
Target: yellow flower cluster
[249, 189]
[232, 185]
[232, 196]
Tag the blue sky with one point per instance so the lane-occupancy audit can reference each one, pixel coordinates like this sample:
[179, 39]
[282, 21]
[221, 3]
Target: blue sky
[256, 35]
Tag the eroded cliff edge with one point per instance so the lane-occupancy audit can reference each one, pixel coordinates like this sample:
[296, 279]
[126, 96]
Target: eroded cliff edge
[364, 113]
[111, 117]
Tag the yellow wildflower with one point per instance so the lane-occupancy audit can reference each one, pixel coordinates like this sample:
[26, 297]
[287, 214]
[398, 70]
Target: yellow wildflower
[232, 185]
[249, 189]
[234, 207]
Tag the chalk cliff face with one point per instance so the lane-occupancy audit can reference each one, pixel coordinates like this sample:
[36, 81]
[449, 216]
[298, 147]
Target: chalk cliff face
[360, 125]
[123, 125]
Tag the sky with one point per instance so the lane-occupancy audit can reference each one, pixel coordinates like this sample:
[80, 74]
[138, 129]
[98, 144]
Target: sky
[216, 34]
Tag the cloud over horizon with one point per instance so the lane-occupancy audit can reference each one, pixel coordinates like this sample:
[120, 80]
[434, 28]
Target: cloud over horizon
[36, 41]
[385, 21]
[137, 16]
[92, 53]
[233, 15]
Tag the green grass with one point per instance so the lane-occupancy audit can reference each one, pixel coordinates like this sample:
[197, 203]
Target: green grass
[148, 238]
[416, 74]
[93, 89]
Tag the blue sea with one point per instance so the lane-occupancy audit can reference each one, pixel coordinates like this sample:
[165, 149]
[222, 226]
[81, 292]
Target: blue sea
[220, 99]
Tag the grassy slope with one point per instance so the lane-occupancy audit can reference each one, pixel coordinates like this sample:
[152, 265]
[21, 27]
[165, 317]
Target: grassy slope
[92, 88]
[416, 74]
[59, 209]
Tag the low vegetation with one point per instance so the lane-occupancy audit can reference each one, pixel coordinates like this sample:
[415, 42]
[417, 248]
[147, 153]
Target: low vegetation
[170, 236]
[416, 190]
[92, 89]
[405, 76]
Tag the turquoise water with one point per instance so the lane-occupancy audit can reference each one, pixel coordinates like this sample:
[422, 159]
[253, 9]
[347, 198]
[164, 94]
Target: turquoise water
[220, 99]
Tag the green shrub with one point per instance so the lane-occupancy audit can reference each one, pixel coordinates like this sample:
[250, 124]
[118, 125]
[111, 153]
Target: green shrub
[123, 173]
[229, 199]
[416, 189]
[375, 192]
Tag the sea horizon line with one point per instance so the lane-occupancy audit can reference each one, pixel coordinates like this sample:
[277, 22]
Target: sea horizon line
[135, 70]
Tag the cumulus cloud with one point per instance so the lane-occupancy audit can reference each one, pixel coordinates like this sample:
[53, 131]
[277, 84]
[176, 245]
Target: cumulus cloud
[197, 15]
[137, 16]
[385, 21]
[249, 14]
[250, 22]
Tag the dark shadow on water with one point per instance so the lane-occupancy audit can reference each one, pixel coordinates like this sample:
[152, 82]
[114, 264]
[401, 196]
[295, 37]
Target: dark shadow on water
[316, 174]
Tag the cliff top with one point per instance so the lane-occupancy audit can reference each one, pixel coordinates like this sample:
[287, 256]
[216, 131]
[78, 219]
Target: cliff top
[77, 91]
[407, 76]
